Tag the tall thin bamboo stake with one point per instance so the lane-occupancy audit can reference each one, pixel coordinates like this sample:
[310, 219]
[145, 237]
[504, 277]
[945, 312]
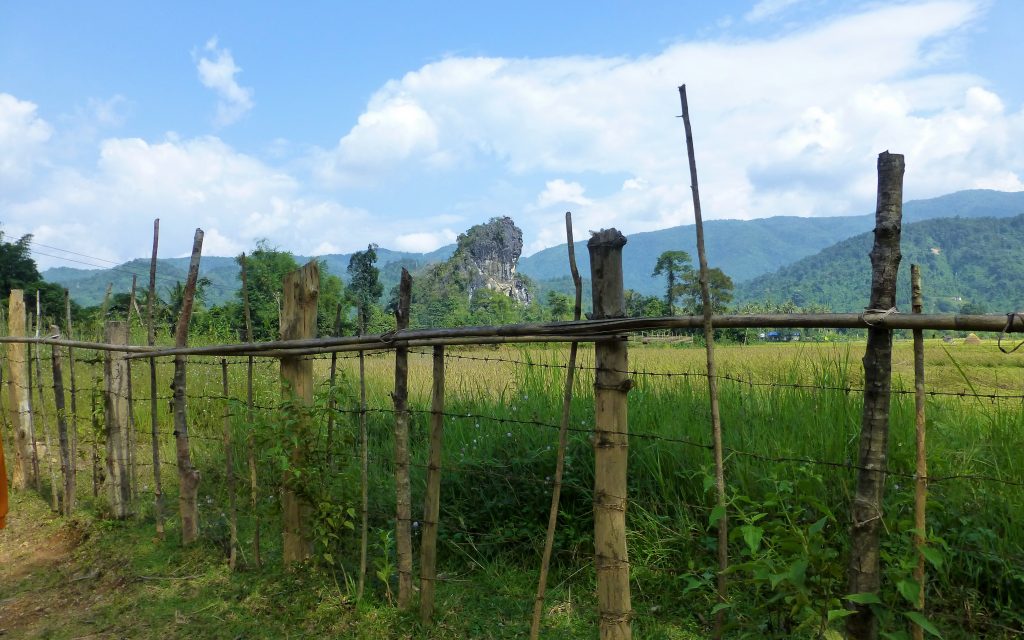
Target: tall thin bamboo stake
[96, 433]
[403, 491]
[332, 405]
[115, 373]
[432, 497]
[188, 476]
[229, 469]
[921, 481]
[364, 467]
[32, 413]
[250, 440]
[865, 575]
[154, 419]
[73, 469]
[611, 442]
[66, 461]
[563, 441]
[133, 480]
[709, 343]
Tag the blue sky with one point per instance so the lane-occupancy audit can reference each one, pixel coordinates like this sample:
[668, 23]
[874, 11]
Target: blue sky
[326, 126]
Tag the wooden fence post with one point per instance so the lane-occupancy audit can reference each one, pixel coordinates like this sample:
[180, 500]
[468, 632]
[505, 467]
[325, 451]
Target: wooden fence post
[73, 435]
[115, 377]
[154, 420]
[66, 460]
[23, 475]
[229, 468]
[432, 499]
[403, 491]
[298, 321]
[563, 441]
[188, 476]
[921, 473]
[251, 440]
[364, 468]
[866, 511]
[611, 441]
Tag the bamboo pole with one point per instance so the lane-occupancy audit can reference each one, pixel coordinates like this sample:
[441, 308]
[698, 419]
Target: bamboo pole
[32, 415]
[251, 439]
[866, 511]
[403, 491]
[563, 441]
[188, 476]
[23, 475]
[229, 469]
[709, 345]
[66, 460]
[332, 404]
[921, 480]
[44, 423]
[584, 331]
[298, 320]
[611, 442]
[116, 408]
[154, 417]
[364, 467]
[133, 480]
[73, 445]
[432, 498]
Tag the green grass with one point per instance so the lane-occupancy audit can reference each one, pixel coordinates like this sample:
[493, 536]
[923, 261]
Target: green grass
[788, 517]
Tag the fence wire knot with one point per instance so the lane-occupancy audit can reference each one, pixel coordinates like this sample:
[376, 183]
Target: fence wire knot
[1009, 329]
[872, 317]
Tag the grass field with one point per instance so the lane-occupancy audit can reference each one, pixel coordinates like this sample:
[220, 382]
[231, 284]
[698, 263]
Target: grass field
[790, 425]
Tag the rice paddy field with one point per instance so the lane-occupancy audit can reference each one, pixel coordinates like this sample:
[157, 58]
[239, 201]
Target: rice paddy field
[791, 422]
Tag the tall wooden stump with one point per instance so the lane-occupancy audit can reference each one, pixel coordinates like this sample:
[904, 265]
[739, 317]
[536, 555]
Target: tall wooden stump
[298, 320]
[115, 397]
[67, 461]
[866, 512]
[23, 475]
[921, 468]
[403, 492]
[611, 441]
[432, 498]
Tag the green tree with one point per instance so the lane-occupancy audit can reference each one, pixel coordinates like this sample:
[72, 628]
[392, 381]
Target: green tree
[364, 285]
[490, 307]
[676, 267]
[720, 288]
[559, 306]
[17, 268]
[640, 306]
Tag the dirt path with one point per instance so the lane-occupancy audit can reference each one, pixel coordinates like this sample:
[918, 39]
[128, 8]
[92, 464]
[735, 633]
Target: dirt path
[47, 589]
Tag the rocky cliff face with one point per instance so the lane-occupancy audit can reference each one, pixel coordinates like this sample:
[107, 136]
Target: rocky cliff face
[488, 254]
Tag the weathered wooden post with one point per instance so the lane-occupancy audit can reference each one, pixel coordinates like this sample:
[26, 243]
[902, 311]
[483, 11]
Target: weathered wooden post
[67, 462]
[23, 475]
[229, 468]
[866, 511]
[115, 396]
[611, 441]
[73, 435]
[154, 421]
[403, 491]
[364, 468]
[432, 499]
[563, 442]
[188, 475]
[298, 321]
[921, 473]
[251, 440]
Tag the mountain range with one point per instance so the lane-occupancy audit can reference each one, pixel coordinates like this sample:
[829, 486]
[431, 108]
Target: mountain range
[765, 256]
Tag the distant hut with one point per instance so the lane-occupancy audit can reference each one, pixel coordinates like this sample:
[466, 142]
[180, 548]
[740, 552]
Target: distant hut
[972, 338]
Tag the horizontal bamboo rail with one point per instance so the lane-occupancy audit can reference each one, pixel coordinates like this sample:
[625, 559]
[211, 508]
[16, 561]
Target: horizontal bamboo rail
[595, 330]
[581, 331]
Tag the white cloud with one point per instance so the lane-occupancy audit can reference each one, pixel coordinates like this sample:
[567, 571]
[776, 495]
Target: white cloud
[559, 191]
[23, 135]
[768, 9]
[789, 124]
[425, 241]
[217, 72]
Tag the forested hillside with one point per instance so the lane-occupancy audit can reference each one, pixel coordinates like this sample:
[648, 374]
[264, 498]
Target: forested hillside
[967, 264]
